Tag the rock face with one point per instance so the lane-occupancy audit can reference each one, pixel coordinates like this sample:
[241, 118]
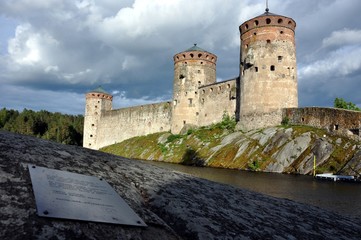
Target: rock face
[276, 149]
[173, 205]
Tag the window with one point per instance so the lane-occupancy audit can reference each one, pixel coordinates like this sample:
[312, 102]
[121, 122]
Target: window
[246, 26]
[268, 41]
[268, 20]
[200, 55]
[199, 71]
[256, 69]
[192, 55]
[91, 135]
[256, 23]
[211, 90]
[175, 103]
[181, 76]
[279, 58]
[280, 20]
[92, 124]
[190, 100]
[272, 68]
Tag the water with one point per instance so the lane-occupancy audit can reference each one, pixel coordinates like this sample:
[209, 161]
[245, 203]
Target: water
[341, 197]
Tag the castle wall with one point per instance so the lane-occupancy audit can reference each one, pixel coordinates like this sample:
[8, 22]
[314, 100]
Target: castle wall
[118, 125]
[253, 121]
[215, 100]
[340, 121]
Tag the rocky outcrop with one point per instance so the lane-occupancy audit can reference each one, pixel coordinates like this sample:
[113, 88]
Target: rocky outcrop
[173, 205]
[275, 149]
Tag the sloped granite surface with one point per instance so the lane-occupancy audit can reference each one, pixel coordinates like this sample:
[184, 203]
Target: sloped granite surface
[173, 205]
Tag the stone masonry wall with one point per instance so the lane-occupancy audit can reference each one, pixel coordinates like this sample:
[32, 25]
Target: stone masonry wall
[340, 121]
[215, 100]
[118, 125]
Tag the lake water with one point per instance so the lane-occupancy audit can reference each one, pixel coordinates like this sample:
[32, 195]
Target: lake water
[341, 197]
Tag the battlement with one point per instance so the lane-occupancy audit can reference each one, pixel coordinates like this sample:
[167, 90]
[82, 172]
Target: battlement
[267, 20]
[195, 55]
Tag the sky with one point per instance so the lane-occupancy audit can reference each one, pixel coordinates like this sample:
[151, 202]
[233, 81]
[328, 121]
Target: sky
[52, 52]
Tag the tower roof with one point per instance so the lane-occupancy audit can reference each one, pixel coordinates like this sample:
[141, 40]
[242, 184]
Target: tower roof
[100, 90]
[195, 48]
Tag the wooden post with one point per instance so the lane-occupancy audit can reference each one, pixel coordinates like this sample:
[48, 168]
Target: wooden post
[314, 165]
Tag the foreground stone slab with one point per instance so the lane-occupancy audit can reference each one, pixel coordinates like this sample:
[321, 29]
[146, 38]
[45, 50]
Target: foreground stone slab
[173, 205]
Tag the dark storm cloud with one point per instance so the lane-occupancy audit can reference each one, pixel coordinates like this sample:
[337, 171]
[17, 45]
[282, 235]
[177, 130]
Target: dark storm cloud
[61, 49]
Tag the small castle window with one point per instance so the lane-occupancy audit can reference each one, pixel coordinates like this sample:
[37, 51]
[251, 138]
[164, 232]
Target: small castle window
[190, 101]
[255, 33]
[184, 56]
[220, 88]
[200, 55]
[256, 69]
[90, 144]
[91, 135]
[246, 26]
[268, 20]
[181, 76]
[211, 89]
[303, 119]
[192, 55]
[92, 124]
[202, 100]
[201, 62]
[272, 68]
[335, 127]
[184, 122]
[228, 86]
[279, 58]
[268, 41]
[256, 23]
[289, 22]
[185, 63]
[98, 101]
[203, 91]
[199, 71]
[98, 95]
[280, 20]
[197, 113]
[177, 57]
[281, 32]
[96, 106]
[199, 82]
[195, 93]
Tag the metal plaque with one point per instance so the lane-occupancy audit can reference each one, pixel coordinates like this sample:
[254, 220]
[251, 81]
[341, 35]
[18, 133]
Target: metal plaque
[60, 194]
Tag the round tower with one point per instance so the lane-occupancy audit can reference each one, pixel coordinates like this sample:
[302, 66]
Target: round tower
[192, 68]
[268, 75]
[97, 102]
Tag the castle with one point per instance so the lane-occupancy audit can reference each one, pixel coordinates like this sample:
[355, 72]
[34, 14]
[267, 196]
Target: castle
[264, 93]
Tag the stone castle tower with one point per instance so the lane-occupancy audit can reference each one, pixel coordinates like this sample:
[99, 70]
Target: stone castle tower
[268, 75]
[193, 68]
[98, 101]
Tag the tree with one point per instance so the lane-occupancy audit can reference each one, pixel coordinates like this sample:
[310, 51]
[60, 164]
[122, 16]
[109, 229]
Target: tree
[341, 103]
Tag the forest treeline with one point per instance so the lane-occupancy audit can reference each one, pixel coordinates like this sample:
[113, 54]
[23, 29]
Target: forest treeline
[62, 128]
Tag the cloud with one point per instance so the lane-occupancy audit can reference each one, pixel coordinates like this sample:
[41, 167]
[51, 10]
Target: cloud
[342, 37]
[60, 46]
[342, 62]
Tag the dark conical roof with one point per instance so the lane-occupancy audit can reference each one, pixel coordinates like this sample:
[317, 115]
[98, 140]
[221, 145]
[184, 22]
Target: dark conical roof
[100, 90]
[195, 48]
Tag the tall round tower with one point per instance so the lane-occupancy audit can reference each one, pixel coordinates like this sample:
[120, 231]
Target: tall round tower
[97, 102]
[268, 75]
[192, 68]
